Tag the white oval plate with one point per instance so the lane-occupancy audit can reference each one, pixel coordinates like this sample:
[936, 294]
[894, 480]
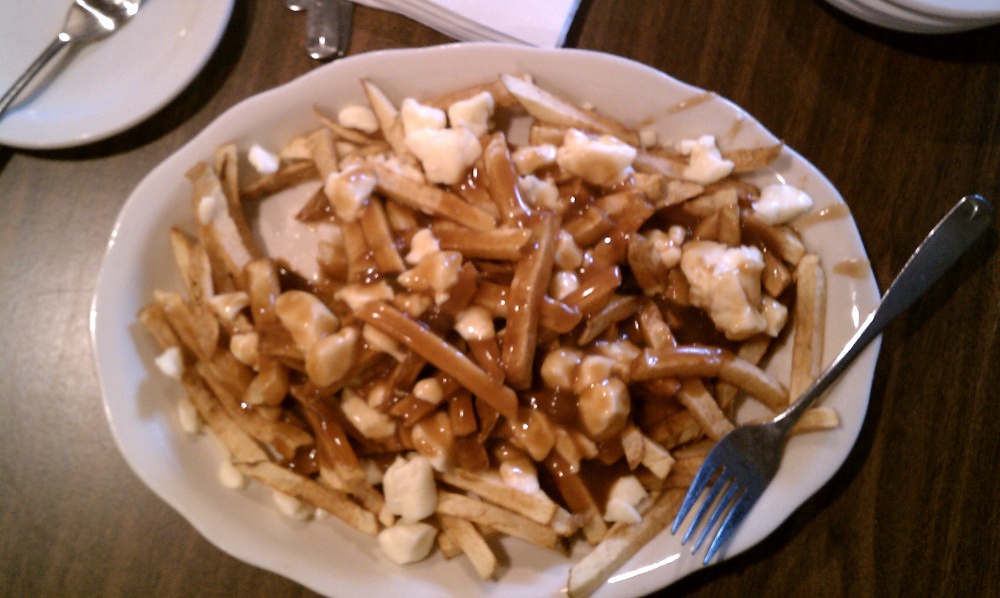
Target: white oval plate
[328, 556]
[104, 87]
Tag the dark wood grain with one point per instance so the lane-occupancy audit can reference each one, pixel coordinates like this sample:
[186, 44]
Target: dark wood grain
[902, 124]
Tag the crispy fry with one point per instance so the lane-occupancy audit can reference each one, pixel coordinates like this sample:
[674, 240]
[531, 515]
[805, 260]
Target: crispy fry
[810, 313]
[500, 519]
[531, 279]
[537, 507]
[703, 408]
[551, 109]
[332, 501]
[472, 544]
[431, 200]
[286, 177]
[497, 244]
[425, 343]
[621, 544]
[502, 180]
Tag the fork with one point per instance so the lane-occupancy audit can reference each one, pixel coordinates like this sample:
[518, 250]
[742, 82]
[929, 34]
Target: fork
[87, 20]
[743, 463]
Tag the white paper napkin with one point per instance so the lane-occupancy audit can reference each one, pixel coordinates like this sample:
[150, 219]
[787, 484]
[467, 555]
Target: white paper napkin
[541, 23]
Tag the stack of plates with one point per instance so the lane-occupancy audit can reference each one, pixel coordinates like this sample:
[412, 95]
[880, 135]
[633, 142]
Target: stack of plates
[924, 16]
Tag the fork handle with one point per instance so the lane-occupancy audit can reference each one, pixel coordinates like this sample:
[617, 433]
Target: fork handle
[15, 90]
[942, 247]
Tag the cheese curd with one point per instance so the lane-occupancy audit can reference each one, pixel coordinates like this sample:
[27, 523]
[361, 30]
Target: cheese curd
[725, 282]
[409, 488]
[370, 422]
[624, 499]
[602, 160]
[406, 543]
[262, 160]
[445, 154]
[780, 203]
[706, 164]
[474, 113]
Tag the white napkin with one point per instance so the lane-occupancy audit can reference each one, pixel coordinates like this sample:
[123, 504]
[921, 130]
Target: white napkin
[541, 23]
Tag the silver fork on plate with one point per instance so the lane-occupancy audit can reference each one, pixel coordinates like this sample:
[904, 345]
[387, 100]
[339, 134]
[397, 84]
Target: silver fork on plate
[743, 463]
[87, 20]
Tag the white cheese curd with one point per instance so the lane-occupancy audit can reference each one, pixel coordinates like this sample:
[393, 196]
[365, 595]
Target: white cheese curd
[293, 508]
[475, 323]
[474, 113]
[228, 305]
[305, 317]
[357, 295]
[538, 192]
[231, 477]
[207, 207]
[775, 313]
[245, 347]
[520, 474]
[188, 416]
[594, 369]
[445, 154]
[568, 255]
[429, 390]
[358, 117]
[667, 249]
[171, 363]
[780, 204]
[706, 164]
[422, 244]
[530, 158]
[370, 422]
[416, 116]
[725, 282]
[563, 283]
[406, 543]
[602, 160]
[409, 488]
[624, 499]
[348, 191]
[559, 367]
[262, 160]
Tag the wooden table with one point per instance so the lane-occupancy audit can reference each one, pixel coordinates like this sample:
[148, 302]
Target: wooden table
[902, 124]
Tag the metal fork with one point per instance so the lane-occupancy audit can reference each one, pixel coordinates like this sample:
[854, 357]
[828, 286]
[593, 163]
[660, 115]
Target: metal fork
[744, 462]
[87, 20]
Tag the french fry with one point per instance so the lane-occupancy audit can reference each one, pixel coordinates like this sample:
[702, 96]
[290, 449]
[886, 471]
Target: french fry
[472, 544]
[810, 314]
[538, 507]
[330, 500]
[621, 544]
[551, 109]
[431, 200]
[531, 279]
[498, 518]
[429, 346]
[498, 244]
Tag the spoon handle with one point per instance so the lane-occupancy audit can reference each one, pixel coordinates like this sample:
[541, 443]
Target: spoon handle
[29, 74]
[942, 247]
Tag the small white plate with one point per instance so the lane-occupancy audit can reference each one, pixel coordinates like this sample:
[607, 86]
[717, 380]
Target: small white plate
[328, 556]
[104, 87]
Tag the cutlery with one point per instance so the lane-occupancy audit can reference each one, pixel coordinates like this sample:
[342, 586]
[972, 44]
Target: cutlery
[87, 20]
[745, 461]
[328, 28]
